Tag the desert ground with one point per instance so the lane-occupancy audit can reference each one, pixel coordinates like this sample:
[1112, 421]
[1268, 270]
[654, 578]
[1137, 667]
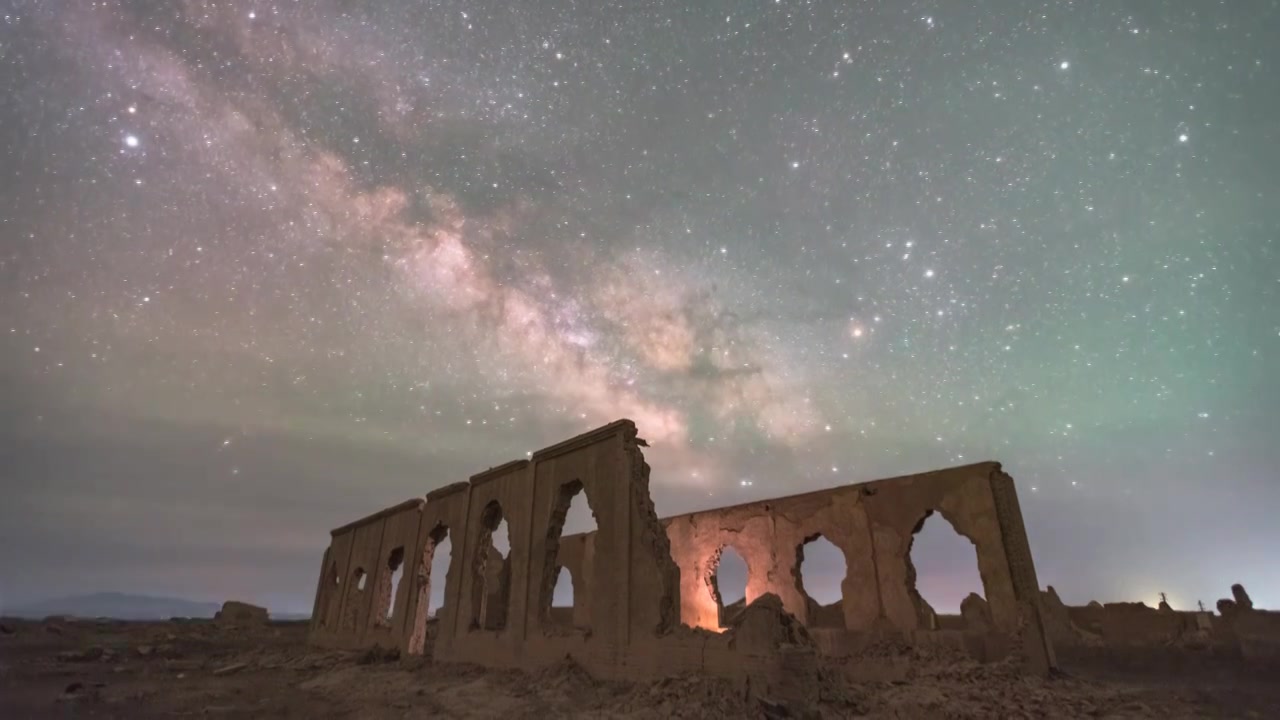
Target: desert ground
[60, 668]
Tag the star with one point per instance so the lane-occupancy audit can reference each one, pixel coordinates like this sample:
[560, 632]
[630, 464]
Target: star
[383, 239]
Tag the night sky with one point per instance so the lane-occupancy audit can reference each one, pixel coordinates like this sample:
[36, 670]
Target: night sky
[266, 267]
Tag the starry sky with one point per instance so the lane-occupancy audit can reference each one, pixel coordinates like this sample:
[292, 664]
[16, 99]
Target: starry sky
[267, 266]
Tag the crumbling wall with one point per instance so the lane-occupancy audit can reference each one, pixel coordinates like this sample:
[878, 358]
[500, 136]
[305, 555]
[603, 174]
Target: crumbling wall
[873, 525]
[235, 613]
[1131, 623]
[643, 601]
[1060, 624]
[489, 619]
[1133, 626]
[634, 593]
[1257, 633]
[397, 549]
[444, 516]
[354, 612]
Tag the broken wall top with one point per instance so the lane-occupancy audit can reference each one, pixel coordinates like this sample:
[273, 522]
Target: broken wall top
[407, 505]
[627, 427]
[866, 489]
[624, 426]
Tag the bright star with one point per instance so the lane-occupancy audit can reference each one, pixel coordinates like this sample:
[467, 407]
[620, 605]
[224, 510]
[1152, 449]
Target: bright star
[131, 140]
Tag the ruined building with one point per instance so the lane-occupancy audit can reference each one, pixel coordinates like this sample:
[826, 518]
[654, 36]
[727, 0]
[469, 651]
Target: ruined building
[645, 602]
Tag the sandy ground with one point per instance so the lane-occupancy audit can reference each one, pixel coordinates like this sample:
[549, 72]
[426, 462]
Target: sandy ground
[58, 669]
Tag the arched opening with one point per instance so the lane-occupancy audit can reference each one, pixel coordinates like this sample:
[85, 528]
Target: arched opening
[942, 570]
[562, 598]
[439, 574]
[501, 539]
[728, 574]
[389, 585]
[579, 519]
[432, 579]
[492, 580]
[566, 567]
[361, 578]
[820, 569]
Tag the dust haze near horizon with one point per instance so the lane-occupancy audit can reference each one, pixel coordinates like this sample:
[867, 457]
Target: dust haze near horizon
[266, 267]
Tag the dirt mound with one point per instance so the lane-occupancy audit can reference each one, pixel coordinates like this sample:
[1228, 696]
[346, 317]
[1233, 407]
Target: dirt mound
[764, 626]
[688, 697]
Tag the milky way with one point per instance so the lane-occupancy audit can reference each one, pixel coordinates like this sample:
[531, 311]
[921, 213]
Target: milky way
[269, 266]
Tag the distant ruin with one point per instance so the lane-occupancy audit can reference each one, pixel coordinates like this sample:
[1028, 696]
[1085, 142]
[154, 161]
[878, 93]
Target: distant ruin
[234, 612]
[644, 602]
[1128, 627]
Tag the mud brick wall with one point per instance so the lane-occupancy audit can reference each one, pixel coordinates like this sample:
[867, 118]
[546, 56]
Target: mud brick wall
[873, 525]
[356, 604]
[644, 603]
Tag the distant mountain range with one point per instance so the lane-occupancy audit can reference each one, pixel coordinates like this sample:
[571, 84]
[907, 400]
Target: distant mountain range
[122, 606]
